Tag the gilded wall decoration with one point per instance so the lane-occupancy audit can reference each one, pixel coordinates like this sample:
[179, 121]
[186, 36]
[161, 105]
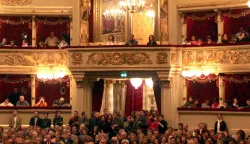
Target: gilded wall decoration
[164, 21]
[15, 2]
[162, 58]
[215, 56]
[77, 59]
[129, 58]
[173, 58]
[85, 12]
[33, 59]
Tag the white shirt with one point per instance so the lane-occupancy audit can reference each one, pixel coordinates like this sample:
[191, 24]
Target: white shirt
[61, 45]
[51, 41]
[15, 122]
[8, 104]
[218, 125]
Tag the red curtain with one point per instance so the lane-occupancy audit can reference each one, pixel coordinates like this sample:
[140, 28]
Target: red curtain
[57, 25]
[157, 93]
[52, 90]
[202, 91]
[133, 98]
[9, 82]
[97, 95]
[234, 19]
[202, 28]
[12, 28]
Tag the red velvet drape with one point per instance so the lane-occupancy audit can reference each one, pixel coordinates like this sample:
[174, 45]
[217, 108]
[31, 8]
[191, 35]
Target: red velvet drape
[9, 82]
[157, 93]
[13, 29]
[133, 98]
[202, 28]
[51, 90]
[241, 91]
[97, 95]
[53, 25]
[202, 91]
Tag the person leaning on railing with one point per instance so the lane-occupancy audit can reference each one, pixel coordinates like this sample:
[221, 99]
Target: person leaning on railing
[41, 103]
[61, 103]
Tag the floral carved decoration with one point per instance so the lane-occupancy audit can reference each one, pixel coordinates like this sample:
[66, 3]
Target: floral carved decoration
[216, 56]
[76, 58]
[15, 2]
[162, 58]
[129, 58]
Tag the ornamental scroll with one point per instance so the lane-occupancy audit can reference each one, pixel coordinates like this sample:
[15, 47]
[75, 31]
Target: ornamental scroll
[164, 22]
[15, 2]
[85, 11]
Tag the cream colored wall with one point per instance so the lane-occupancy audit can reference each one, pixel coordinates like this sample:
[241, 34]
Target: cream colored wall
[142, 27]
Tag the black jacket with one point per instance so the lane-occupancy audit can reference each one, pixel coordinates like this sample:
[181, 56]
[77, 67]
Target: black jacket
[38, 122]
[223, 126]
[46, 123]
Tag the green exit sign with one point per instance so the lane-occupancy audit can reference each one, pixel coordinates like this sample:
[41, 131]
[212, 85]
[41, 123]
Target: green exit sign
[124, 74]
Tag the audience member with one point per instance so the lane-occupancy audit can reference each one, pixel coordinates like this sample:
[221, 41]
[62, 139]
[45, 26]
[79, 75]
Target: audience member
[206, 104]
[14, 97]
[220, 125]
[60, 103]
[6, 103]
[235, 103]
[25, 43]
[12, 43]
[151, 41]
[215, 103]
[131, 41]
[63, 44]
[51, 41]
[15, 121]
[41, 44]
[190, 103]
[36, 120]
[233, 39]
[239, 34]
[74, 121]
[193, 41]
[46, 122]
[58, 120]
[41, 103]
[4, 42]
[84, 120]
[111, 40]
[22, 102]
[209, 40]
[224, 39]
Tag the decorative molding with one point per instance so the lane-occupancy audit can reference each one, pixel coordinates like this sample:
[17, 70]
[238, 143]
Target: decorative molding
[203, 56]
[173, 58]
[79, 84]
[15, 2]
[33, 58]
[117, 58]
[162, 58]
[77, 58]
[166, 83]
[37, 10]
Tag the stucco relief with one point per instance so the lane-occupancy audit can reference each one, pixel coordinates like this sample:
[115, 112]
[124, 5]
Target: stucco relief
[15, 2]
[117, 58]
[162, 58]
[216, 57]
[33, 59]
[77, 58]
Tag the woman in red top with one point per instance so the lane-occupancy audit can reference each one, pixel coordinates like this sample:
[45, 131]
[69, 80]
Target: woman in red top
[152, 122]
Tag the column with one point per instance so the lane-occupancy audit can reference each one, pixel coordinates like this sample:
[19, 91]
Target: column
[33, 90]
[221, 91]
[80, 93]
[123, 96]
[220, 24]
[75, 30]
[71, 31]
[108, 88]
[185, 96]
[33, 31]
[85, 6]
[166, 100]
[184, 29]
[164, 22]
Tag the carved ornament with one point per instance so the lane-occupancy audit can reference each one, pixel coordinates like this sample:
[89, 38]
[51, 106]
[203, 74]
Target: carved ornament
[128, 58]
[15, 2]
[173, 58]
[215, 56]
[162, 58]
[77, 58]
[166, 83]
[33, 59]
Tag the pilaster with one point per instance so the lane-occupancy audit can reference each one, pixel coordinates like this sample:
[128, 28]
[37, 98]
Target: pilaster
[33, 31]
[184, 28]
[221, 90]
[33, 90]
[220, 24]
[75, 28]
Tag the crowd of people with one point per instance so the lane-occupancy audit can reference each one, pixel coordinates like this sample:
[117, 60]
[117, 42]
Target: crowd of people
[194, 103]
[50, 41]
[241, 36]
[142, 127]
[18, 99]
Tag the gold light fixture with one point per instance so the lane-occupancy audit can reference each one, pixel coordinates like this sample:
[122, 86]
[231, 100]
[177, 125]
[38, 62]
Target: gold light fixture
[114, 14]
[51, 74]
[248, 3]
[132, 5]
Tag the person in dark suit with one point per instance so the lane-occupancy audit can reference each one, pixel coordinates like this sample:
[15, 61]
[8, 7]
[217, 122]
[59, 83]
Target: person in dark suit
[132, 41]
[14, 97]
[162, 124]
[46, 121]
[151, 41]
[220, 125]
[58, 120]
[36, 120]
